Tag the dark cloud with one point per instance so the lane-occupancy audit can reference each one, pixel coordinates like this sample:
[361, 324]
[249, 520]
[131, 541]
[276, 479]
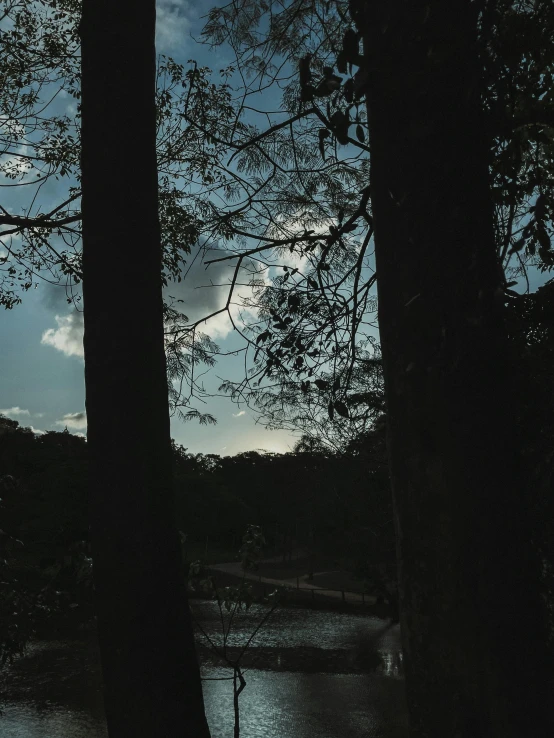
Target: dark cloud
[205, 289]
[73, 420]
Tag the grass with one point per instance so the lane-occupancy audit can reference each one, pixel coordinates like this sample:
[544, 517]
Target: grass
[296, 568]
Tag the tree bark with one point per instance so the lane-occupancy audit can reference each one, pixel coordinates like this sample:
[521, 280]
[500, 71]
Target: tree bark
[472, 619]
[151, 676]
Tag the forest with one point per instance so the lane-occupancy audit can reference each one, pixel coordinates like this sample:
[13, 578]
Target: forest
[356, 204]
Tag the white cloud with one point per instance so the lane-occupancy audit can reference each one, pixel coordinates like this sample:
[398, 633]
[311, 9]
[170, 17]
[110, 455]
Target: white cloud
[238, 415]
[73, 420]
[68, 336]
[172, 25]
[274, 448]
[14, 412]
[205, 290]
[37, 431]
[17, 413]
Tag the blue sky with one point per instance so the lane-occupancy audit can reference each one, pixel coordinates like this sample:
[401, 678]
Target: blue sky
[41, 365]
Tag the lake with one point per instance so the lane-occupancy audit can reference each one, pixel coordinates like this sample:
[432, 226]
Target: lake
[309, 674]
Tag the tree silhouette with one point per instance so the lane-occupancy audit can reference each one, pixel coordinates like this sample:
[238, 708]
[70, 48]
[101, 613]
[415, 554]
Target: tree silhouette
[151, 675]
[459, 204]
[469, 573]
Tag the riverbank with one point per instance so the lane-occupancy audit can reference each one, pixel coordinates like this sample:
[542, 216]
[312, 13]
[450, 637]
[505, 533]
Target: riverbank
[296, 589]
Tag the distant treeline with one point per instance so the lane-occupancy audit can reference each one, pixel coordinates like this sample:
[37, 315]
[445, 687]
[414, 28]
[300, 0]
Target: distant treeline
[335, 504]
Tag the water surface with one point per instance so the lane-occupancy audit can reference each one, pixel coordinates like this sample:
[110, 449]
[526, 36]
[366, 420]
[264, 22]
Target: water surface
[310, 674]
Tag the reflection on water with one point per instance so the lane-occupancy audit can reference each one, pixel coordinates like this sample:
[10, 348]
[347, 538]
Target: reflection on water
[291, 627]
[283, 705]
[26, 721]
[310, 675]
[391, 663]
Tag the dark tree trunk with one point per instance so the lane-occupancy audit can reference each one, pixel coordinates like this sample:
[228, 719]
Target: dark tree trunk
[472, 620]
[149, 664]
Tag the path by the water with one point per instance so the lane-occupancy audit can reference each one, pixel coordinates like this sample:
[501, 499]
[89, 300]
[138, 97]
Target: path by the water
[234, 568]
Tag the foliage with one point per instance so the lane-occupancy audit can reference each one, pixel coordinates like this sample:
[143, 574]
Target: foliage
[250, 552]
[40, 146]
[289, 197]
[24, 606]
[39, 66]
[316, 318]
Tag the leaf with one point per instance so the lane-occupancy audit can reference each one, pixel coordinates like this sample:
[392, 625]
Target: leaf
[518, 245]
[329, 84]
[321, 384]
[331, 410]
[540, 207]
[304, 71]
[544, 239]
[341, 409]
[323, 134]
[340, 122]
[294, 302]
[348, 90]
[336, 384]
[360, 135]
[262, 337]
[342, 63]
[351, 47]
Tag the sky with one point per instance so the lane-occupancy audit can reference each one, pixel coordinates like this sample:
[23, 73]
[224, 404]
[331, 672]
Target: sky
[41, 355]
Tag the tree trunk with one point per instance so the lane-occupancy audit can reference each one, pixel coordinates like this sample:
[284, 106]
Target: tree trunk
[151, 676]
[472, 620]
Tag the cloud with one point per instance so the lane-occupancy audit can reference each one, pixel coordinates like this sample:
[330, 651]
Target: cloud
[54, 296]
[205, 290]
[68, 336]
[172, 25]
[36, 431]
[14, 412]
[73, 420]
[17, 413]
[239, 414]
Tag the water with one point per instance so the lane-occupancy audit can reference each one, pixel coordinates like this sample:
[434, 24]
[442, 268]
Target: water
[311, 674]
[293, 627]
